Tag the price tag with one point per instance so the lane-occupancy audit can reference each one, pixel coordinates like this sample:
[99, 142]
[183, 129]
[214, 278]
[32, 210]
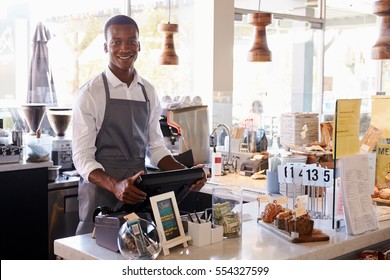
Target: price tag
[300, 211]
[302, 201]
[328, 177]
[312, 175]
[263, 198]
[280, 199]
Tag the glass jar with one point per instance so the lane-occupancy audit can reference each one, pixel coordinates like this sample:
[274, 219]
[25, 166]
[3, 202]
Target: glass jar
[227, 209]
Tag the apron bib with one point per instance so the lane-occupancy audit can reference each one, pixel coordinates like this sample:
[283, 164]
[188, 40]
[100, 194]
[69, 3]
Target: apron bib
[121, 149]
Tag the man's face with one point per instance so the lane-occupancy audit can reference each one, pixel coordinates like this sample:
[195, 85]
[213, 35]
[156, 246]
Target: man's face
[122, 46]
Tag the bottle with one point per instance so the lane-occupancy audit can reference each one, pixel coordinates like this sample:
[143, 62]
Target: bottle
[262, 142]
[216, 164]
[274, 150]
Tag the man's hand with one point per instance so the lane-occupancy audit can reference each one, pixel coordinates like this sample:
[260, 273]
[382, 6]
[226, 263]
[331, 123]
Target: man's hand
[128, 193]
[199, 184]
[123, 190]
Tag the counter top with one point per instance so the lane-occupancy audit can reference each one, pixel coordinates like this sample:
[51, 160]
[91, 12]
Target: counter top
[24, 165]
[256, 242]
[64, 181]
[251, 188]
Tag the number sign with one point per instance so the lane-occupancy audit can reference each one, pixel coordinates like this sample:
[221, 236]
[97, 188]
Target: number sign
[328, 177]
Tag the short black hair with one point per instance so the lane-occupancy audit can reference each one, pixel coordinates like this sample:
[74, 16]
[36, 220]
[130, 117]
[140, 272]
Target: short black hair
[119, 19]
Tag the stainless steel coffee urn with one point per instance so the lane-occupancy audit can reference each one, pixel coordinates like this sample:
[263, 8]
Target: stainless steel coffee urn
[192, 126]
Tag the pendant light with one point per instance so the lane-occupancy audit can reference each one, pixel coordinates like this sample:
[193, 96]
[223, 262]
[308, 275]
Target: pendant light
[381, 49]
[168, 55]
[259, 51]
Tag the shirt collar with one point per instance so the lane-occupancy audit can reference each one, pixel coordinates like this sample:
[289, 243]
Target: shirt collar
[114, 81]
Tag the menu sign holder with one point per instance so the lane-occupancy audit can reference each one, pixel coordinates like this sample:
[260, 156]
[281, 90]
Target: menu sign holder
[167, 217]
[355, 188]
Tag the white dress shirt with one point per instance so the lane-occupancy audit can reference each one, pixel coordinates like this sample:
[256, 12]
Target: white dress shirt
[88, 115]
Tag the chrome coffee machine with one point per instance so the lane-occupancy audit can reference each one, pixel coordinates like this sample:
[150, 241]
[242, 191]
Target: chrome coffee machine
[185, 132]
[192, 126]
[59, 119]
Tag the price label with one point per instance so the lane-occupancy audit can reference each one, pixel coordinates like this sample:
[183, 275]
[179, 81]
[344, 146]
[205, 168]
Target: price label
[299, 211]
[312, 175]
[328, 177]
[263, 198]
[280, 199]
[301, 201]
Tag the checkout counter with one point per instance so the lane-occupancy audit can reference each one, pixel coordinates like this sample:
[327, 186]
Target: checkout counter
[256, 242]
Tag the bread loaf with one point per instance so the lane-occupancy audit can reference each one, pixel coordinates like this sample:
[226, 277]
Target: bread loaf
[270, 212]
[303, 225]
[282, 218]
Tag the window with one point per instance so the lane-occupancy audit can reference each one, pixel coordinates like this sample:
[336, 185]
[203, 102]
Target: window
[290, 82]
[76, 48]
[311, 66]
[295, 38]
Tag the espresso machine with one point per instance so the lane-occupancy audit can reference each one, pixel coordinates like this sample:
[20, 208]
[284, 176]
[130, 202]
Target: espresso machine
[61, 154]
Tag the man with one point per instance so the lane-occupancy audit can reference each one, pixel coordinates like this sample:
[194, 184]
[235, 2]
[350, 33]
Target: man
[115, 121]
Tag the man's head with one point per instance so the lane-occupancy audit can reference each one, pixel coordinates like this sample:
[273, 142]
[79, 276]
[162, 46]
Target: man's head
[119, 20]
[122, 45]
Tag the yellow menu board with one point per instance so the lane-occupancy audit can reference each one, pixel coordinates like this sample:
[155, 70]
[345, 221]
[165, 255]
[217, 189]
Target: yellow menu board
[382, 176]
[347, 126]
[380, 113]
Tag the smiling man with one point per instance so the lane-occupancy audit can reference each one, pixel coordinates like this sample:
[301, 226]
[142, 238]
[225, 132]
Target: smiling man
[115, 123]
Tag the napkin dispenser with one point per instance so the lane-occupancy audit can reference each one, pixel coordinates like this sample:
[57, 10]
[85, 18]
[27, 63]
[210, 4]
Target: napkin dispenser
[107, 228]
[251, 165]
[108, 222]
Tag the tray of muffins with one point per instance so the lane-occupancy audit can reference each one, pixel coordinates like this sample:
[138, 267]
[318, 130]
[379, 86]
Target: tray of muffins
[283, 223]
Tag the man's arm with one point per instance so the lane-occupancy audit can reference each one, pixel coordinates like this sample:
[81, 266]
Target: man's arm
[169, 163]
[123, 190]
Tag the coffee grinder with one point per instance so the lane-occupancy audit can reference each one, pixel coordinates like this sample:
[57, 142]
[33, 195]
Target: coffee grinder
[59, 119]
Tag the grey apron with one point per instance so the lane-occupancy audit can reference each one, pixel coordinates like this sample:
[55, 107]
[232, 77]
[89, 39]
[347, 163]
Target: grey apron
[121, 149]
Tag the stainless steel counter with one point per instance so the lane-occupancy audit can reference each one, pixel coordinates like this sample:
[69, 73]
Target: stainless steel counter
[63, 208]
[64, 181]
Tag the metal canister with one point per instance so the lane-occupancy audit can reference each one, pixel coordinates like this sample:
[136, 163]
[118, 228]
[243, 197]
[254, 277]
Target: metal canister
[252, 141]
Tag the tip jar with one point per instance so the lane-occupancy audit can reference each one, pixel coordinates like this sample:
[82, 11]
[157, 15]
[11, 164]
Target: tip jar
[227, 209]
[139, 240]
